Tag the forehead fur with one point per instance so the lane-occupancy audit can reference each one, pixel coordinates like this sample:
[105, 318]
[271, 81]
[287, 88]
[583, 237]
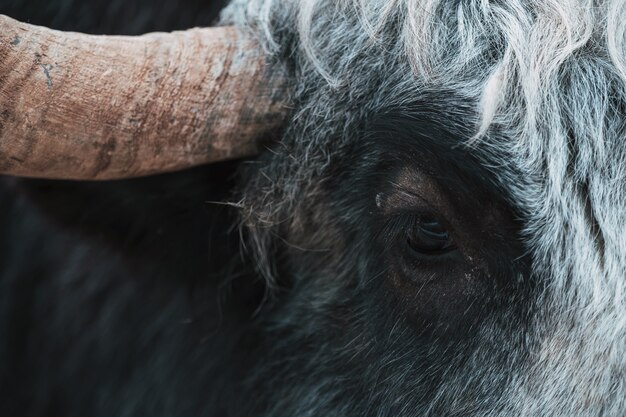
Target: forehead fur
[527, 64]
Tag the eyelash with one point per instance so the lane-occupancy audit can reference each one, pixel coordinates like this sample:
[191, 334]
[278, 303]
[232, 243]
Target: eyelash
[399, 226]
[398, 233]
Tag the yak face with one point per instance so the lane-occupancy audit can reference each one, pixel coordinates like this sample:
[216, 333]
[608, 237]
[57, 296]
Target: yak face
[403, 268]
[443, 209]
[405, 265]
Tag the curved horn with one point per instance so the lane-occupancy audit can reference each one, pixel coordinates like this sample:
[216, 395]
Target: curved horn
[78, 106]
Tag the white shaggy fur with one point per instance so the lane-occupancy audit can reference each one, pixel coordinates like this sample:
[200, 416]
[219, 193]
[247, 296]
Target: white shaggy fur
[548, 79]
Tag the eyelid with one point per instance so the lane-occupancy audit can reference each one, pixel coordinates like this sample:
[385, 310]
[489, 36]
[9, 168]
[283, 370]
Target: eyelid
[400, 212]
[409, 194]
[402, 201]
[401, 223]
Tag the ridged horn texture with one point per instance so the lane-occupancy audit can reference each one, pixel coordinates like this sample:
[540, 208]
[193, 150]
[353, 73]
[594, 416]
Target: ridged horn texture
[83, 107]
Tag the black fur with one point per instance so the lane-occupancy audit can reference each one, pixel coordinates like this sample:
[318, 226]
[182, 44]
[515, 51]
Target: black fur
[116, 293]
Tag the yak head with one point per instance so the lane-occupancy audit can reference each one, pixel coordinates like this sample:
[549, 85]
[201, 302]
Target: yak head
[445, 208]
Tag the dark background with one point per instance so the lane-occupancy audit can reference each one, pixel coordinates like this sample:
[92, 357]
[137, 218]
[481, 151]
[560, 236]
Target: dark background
[124, 17]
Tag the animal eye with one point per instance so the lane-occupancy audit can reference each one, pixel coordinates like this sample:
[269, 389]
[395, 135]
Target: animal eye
[429, 236]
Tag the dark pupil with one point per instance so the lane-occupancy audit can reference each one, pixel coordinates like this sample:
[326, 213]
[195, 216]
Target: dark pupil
[429, 236]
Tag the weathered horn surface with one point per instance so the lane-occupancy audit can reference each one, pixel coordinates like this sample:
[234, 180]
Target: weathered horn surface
[76, 106]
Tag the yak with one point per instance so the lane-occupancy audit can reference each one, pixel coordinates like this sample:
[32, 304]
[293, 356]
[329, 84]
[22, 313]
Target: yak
[313, 208]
